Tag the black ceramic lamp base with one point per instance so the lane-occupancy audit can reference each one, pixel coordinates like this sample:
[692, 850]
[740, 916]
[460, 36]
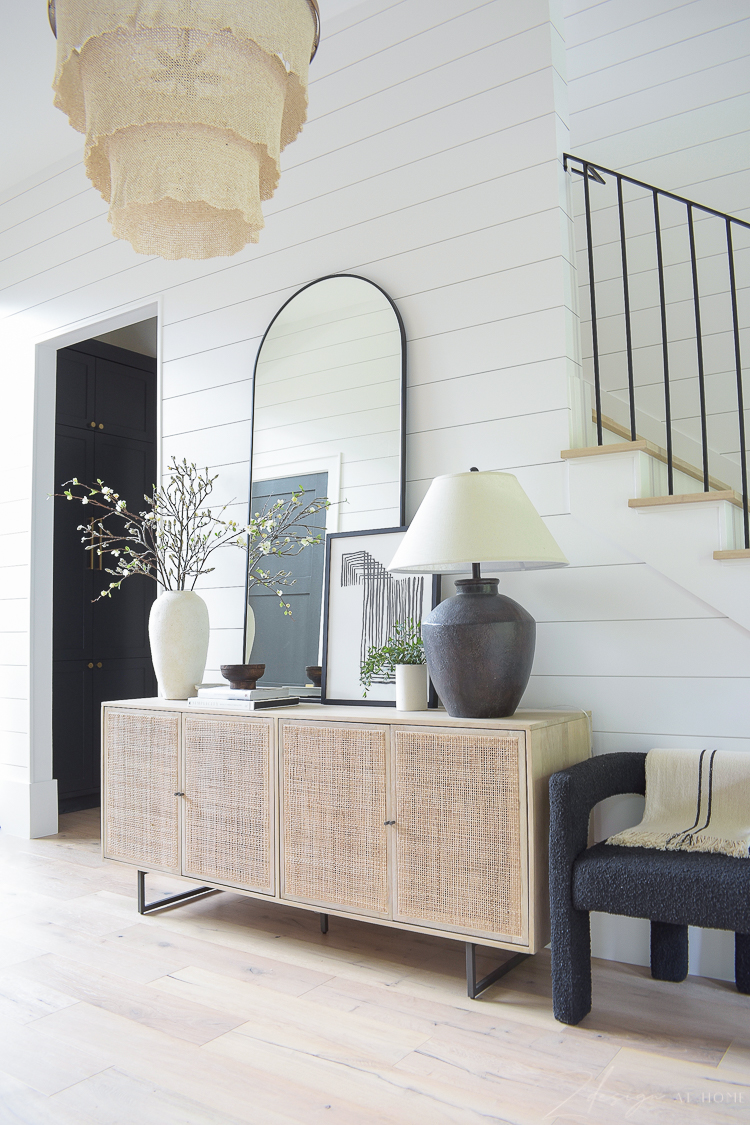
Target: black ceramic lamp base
[479, 647]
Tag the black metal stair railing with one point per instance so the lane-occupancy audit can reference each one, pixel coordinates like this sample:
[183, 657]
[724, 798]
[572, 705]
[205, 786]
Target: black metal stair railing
[596, 178]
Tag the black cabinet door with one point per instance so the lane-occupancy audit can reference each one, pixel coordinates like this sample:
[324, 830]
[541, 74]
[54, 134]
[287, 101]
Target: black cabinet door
[120, 621]
[107, 389]
[100, 647]
[124, 399]
[73, 576]
[76, 384]
[75, 761]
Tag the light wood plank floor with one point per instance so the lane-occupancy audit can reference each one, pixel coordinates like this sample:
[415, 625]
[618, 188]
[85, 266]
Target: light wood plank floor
[229, 1011]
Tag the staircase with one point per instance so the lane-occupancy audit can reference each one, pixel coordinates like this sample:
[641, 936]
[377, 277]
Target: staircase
[665, 307]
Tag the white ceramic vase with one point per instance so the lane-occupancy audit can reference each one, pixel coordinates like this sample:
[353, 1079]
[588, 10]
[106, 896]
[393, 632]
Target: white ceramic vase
[411, 687]
[249, 634]
[178, 630]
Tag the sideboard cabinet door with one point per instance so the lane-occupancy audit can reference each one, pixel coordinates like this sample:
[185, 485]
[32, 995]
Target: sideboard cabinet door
[228, 804]
[334, 806]
[140, 773]
[461, 855]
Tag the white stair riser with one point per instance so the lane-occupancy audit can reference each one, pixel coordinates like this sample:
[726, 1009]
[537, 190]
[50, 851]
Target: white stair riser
[678, 540]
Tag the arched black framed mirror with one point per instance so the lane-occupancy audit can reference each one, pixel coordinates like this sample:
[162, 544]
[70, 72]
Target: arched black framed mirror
[329, 416]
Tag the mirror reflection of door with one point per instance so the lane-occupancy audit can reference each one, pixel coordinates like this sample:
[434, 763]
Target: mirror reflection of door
[287, 645]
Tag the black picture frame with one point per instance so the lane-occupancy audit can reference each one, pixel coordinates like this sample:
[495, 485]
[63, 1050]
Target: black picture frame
[433, 600]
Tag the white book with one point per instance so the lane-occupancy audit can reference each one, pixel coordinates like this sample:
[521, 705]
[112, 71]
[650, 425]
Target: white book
[242, 693]
[243, 704]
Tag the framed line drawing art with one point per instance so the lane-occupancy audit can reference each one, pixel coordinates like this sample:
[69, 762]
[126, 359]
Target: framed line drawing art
[362, 602]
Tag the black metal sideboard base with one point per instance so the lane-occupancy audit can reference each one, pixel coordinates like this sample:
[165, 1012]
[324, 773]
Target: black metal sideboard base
[171, 900]
[474, 987]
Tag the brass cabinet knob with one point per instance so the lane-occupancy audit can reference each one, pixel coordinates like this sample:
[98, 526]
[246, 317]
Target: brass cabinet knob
[101, 425]
[99, 664]
[91, 665]
[93, 425]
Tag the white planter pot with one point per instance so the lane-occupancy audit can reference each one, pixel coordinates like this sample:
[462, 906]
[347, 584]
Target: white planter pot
[411, 687]
[178, 630]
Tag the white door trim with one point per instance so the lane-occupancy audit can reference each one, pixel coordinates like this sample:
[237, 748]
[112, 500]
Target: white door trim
[43, 787]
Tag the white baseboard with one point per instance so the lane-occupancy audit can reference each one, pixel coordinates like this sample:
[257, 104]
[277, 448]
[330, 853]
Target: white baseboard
[617, 938]
[28, 810]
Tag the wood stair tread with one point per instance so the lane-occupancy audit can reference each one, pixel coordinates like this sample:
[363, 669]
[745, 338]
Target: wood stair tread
[600, 450]
[685, 498]
[644, 446]
[720, 490]
[661, 454]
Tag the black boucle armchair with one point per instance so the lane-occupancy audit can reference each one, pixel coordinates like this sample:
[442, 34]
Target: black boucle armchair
[672, 889]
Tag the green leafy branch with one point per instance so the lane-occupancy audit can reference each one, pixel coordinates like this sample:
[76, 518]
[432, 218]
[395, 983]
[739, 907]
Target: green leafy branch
[404, 646]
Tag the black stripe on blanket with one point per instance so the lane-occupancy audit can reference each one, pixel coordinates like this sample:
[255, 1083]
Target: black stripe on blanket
[687, 835]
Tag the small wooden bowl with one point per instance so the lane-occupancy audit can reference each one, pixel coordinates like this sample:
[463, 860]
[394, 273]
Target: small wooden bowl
[314, 673]
[242, 676]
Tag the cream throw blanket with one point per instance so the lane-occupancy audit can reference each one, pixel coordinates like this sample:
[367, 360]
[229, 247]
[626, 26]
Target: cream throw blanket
[696, 801]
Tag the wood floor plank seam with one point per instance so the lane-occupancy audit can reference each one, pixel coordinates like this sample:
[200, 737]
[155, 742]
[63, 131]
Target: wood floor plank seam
[231, 1011]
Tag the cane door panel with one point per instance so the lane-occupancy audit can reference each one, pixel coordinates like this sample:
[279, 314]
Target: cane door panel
[461, 847]
[228, 804]
[334, 797]
[140, 802]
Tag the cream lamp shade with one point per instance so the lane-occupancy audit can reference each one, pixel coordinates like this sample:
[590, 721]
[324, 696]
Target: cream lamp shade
[476, 517]
[186, 106]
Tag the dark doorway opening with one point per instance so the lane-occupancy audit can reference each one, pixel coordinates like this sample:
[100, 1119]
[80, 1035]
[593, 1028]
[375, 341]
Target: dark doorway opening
[105, 428]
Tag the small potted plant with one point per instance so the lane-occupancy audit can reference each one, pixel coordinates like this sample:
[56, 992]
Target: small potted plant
[401, 656]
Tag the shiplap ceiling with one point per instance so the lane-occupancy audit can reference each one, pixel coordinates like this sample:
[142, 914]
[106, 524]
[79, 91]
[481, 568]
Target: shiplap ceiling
[34, 133]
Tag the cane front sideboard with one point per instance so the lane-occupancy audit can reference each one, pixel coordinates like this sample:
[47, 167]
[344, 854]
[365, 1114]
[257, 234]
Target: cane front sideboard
[413, 820]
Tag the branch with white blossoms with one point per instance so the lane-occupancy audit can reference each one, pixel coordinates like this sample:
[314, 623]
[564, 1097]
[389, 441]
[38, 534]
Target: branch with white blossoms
[283, 529]
[173, 540]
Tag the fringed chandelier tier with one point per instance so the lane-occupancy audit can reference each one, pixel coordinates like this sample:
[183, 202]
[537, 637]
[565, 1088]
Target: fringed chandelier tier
[186, 106]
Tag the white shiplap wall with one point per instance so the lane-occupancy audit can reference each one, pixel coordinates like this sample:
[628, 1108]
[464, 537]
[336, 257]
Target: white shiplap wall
[660, 90]
[429, 164]
[657, 90]
[675, 115]
[440, 183]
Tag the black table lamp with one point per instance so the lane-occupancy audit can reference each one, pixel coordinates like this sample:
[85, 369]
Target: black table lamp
[479, 644]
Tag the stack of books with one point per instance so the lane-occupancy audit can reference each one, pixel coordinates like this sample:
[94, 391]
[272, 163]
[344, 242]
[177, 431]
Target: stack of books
[222, 697]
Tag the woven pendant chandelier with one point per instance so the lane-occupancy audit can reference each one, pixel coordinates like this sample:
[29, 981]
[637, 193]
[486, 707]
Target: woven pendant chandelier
[186, 106]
